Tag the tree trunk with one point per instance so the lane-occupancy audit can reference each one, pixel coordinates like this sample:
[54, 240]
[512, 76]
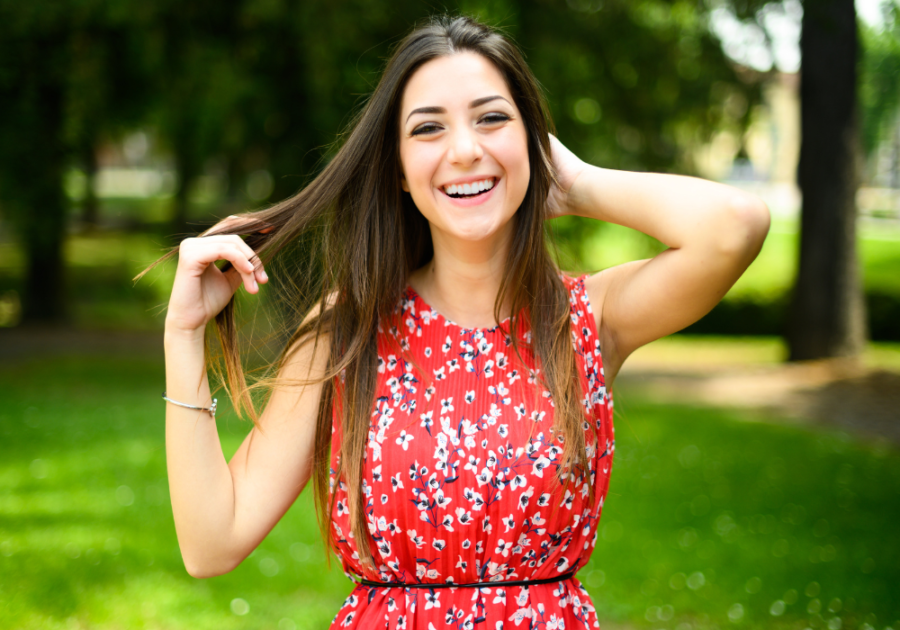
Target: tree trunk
[42, 214]
[828, 311]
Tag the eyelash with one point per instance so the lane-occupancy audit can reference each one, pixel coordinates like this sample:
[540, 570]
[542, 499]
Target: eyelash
[492, 118]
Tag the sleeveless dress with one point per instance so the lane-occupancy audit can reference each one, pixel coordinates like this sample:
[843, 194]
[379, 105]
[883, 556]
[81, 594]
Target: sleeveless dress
[459, 480]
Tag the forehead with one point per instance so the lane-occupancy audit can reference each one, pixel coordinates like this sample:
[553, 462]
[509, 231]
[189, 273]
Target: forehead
[458, 78]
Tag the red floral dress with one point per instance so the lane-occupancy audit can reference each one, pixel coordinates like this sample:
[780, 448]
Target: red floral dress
[459, 480]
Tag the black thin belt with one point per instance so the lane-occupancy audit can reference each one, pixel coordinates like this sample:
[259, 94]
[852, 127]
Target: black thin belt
[559, 578]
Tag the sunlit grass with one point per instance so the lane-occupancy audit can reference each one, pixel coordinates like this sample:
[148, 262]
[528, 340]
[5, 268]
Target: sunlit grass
[708, 516]
[710, 350]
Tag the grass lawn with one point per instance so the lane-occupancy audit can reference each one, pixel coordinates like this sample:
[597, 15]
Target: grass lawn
[714, 519]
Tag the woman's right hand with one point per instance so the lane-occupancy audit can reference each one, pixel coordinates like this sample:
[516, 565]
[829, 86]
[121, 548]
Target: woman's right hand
[201, 290]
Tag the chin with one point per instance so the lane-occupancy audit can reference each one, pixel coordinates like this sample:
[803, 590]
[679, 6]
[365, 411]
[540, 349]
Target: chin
[479, 231]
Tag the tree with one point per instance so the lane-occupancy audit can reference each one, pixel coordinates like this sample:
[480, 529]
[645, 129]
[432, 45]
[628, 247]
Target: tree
[827, 316]
[67, 72]
[33, 153]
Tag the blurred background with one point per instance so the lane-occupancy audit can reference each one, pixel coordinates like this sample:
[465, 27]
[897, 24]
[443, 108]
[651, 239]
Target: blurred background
[757, 474]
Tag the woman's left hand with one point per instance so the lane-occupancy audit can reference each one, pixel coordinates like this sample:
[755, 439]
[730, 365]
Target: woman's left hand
[568, 167]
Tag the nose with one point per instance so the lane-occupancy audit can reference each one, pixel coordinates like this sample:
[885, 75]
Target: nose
[465, 148]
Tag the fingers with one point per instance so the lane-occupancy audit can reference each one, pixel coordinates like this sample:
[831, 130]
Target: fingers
[246, 266]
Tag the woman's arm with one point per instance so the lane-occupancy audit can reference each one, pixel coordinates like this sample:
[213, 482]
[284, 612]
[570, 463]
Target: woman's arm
[223, 510]
[713, 233]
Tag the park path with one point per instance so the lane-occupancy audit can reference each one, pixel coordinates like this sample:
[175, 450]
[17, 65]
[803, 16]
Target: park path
[849, 395]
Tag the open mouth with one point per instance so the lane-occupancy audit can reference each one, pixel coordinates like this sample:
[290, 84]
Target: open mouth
[472, 189]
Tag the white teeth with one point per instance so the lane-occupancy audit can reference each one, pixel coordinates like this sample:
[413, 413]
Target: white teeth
[471, 188]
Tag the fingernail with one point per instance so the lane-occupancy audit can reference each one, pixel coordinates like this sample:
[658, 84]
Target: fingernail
[264, 276]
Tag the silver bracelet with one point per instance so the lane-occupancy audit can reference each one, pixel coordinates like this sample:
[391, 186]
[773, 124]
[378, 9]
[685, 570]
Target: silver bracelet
[211, 410]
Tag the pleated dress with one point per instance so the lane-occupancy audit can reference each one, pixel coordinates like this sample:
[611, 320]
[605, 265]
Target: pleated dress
[459, 479]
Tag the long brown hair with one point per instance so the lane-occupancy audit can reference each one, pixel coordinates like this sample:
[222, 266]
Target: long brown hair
[366, 238]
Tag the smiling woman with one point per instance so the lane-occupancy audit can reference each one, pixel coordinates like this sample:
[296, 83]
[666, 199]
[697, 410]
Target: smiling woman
[447, 392]
[465, 157]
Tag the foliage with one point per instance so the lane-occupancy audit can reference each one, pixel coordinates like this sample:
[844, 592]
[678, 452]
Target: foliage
[257, 91]
[709, 518]
[880, 78]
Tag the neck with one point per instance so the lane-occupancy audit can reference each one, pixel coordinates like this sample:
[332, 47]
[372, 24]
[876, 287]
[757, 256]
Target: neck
[463, 279]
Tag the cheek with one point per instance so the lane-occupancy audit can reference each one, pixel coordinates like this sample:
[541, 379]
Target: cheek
[418, 166]
[514, 159]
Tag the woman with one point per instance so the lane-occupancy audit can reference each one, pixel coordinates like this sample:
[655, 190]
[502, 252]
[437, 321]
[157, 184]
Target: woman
[459, 381]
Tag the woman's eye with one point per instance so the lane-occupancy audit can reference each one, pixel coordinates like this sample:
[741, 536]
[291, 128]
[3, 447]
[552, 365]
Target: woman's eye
[494, 118]
[425, 129]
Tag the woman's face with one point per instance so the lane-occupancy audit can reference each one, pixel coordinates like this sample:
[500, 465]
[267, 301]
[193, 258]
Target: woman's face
[463, 148]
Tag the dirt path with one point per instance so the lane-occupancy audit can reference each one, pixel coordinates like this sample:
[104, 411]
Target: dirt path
[847, 395]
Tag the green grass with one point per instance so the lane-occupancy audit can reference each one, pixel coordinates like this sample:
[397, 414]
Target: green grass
[86, 532]
[765, 513]
[587, 245]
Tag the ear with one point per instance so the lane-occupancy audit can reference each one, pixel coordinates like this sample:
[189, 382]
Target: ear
[403, 183]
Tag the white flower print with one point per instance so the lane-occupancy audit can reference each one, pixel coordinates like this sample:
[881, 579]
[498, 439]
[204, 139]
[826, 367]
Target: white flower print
[463, 517]
[500, 390]
[432, 599]
[470, 396]
[417, 540]
[524, 498]
[520, 615]
[404, 439]
[441, 500]
[447, 405]
[538, 468]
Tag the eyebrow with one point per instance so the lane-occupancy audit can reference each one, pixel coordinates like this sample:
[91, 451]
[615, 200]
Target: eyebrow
[478, 102]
